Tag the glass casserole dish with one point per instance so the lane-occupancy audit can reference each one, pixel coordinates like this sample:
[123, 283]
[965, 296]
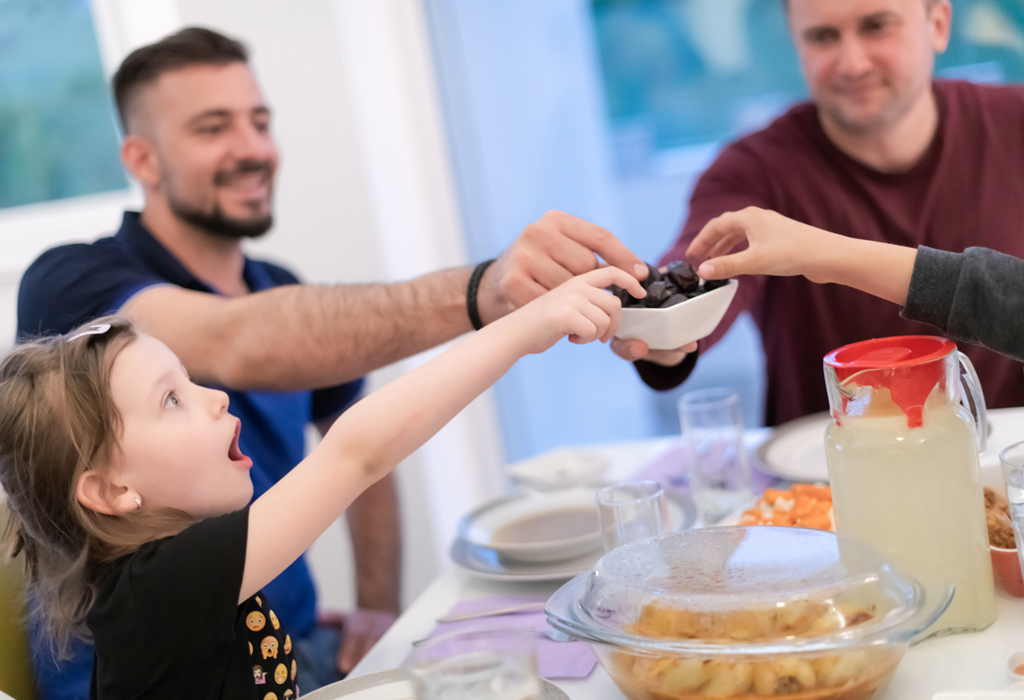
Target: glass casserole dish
[747, 612]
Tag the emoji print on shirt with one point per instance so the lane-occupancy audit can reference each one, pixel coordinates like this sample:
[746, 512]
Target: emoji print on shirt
[274, 669]
[255, 621]
[269, 647]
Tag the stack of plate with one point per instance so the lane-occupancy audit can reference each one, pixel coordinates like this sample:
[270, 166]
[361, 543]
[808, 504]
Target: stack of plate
[540, 536]
[395, 685]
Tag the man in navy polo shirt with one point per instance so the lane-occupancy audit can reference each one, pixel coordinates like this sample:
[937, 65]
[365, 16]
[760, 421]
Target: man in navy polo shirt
[197, 139]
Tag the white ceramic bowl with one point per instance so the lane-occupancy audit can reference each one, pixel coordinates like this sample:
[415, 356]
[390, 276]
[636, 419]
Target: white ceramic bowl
[674, 327]
[1015, 661]
[480, 526]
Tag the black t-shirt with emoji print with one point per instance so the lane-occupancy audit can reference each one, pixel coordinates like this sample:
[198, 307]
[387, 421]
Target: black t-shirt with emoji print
[270, 646]
[167, 623]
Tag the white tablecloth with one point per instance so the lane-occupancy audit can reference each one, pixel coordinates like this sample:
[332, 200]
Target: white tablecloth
[969, 662]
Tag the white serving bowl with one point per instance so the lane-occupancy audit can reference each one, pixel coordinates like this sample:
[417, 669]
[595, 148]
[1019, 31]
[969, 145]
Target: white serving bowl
[480, 526]
[674, 327]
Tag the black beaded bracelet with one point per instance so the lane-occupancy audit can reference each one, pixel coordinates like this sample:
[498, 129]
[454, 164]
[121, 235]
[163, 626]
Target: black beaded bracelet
[471, 290]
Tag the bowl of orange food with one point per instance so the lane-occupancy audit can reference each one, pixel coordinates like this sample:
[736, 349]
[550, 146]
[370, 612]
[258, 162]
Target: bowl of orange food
[1002, 544]
[747, 612]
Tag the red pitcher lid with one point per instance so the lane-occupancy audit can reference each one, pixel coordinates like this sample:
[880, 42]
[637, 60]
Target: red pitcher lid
[907, 368]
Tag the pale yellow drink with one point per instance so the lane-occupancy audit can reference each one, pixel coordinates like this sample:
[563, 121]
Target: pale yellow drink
[916, 495]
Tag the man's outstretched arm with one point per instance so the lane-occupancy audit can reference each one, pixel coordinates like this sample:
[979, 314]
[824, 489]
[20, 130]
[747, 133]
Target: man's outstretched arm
[305, 336]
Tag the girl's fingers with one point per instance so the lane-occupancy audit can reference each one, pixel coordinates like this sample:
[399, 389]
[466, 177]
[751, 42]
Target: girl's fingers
[610, 306]
[727, 243]
[729, 226]
[728, 266]
[598, 319]
[614, 317]
[603, 300]
[703, 241]
[605, 277]
[581, 330]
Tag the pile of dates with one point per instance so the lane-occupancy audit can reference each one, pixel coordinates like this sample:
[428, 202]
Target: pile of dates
[675, 285]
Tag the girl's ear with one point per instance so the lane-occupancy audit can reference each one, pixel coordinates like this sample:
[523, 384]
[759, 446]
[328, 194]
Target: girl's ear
[96, 493]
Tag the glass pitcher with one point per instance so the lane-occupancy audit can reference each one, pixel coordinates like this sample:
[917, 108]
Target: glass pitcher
[902, 456]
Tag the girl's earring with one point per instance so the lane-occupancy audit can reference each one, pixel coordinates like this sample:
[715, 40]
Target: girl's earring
[138, 502]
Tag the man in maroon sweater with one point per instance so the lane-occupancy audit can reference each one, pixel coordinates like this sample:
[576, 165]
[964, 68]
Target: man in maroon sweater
[882, 153]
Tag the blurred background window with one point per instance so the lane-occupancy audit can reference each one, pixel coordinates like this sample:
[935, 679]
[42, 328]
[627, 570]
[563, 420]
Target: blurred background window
[680, 75]
[610, 110]
[58, 133]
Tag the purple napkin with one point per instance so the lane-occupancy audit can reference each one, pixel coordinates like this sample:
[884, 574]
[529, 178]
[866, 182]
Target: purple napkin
[669, 468]
[556, 660]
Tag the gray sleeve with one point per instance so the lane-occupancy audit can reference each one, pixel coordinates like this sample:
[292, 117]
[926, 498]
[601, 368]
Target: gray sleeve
[976, 296]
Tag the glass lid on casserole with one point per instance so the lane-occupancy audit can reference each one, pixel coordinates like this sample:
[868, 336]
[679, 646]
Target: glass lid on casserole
[746, 590]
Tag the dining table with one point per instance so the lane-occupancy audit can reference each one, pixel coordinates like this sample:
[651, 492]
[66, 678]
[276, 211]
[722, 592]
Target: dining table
[974, 662]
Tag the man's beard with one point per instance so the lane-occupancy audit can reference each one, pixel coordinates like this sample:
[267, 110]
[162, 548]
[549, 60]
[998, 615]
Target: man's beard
[216, 222]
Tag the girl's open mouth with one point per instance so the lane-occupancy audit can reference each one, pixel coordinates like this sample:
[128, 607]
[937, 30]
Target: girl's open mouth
[234, 452]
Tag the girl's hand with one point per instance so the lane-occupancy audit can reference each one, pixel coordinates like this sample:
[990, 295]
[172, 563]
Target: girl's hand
[580, 309]
[776, 246]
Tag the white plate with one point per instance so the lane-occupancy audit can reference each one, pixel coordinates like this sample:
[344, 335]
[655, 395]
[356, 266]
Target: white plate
[479, 526]
[395, 685]
[796, 450]
[559, 469]
[674, 327]
[484, 562]
[487, 564]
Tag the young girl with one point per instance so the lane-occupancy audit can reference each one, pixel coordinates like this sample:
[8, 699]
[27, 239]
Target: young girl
[129, 496]
[976, 296]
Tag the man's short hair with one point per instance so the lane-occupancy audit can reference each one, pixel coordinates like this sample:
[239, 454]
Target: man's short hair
[927, 3]
[188, 47]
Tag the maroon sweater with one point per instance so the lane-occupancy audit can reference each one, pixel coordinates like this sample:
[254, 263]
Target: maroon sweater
[967, 190]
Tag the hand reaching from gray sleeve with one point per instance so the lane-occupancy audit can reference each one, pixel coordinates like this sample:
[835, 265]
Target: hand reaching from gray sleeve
[976, 296]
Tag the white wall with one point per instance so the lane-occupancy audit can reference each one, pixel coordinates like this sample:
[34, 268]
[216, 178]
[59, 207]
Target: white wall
[324, 222]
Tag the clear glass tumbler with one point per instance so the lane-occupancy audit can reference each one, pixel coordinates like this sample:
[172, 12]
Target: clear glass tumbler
[1012, 461]
[477, 664]
[630, 511]
[712, 425]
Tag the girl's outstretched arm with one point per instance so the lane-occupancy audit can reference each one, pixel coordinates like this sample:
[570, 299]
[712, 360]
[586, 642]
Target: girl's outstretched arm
[784, 247]
[976, 296]
[376, 434]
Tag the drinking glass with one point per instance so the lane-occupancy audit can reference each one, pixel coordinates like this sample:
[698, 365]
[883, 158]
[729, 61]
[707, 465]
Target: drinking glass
[630, 511]
[1012, 461]
[712, 425]
[477, 664]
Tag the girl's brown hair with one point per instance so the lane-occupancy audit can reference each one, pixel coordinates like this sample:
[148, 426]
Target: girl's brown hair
[57, 420]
